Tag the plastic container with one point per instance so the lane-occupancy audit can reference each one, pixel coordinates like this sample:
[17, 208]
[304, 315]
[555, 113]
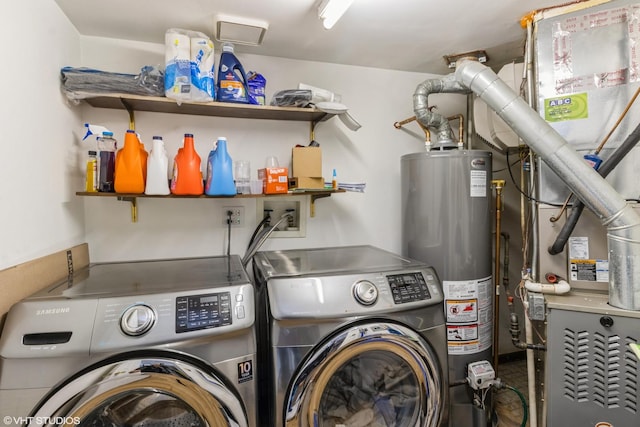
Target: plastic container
[187, 176]
[107, 147]
[232, 81]
[220, 171]
[91, 173]
[157, 169]
[131, 165]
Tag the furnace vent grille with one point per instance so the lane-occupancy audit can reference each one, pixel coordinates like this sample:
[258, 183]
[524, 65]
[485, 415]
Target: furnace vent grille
[600, 369]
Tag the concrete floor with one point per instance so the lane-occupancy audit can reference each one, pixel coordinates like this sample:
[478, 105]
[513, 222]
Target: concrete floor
[508, 405]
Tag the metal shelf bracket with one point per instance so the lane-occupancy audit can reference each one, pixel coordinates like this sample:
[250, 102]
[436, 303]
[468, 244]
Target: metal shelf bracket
[134, 206]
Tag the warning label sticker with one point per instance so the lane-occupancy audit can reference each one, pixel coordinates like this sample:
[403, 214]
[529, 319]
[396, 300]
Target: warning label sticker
[590, 270]
[462, 333]
[462, 311]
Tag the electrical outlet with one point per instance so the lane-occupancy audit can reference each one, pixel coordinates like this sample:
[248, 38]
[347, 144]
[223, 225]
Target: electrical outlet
[237, 215]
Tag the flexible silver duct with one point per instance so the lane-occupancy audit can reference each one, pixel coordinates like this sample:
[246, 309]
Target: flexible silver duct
[623, 224]
[429, 119]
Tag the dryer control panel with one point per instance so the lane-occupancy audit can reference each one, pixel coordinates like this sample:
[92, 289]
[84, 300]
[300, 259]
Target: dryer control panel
[407, 287]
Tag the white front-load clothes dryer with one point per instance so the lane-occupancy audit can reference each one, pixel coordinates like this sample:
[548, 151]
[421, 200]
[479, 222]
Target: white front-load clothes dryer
[351, 335]
[149, 343]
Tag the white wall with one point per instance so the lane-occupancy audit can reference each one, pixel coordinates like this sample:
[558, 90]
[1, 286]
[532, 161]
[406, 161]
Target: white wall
[43, 157]
[40, 167]
[176, 228]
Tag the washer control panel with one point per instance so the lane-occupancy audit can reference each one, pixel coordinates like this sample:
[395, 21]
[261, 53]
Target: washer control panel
[168, 317]
[408, 287]
[204, 311]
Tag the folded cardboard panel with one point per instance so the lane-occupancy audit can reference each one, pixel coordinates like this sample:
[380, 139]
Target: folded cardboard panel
[22, 280]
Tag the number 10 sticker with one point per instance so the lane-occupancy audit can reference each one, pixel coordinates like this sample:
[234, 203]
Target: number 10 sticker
[245, 371]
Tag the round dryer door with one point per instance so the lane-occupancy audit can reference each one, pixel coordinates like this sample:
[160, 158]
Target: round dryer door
[158, 388]
[368, 374]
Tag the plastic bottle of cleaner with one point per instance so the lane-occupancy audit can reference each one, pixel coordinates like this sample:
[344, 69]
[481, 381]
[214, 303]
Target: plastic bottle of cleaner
[220, 171]
[187, 176]
[131, 165]
[107, 147]
[157, 168]
[91, 173]
[232, 81]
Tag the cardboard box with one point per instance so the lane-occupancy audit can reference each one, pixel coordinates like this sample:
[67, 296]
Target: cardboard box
[274, 180]
[307, 183]
[306, 161]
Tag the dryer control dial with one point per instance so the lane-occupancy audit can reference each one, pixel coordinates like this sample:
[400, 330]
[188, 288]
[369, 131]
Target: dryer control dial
[365, 292]
[137, 320]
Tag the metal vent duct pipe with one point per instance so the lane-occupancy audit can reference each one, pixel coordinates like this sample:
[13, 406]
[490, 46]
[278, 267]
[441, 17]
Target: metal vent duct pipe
[430, 119]
[622, 223]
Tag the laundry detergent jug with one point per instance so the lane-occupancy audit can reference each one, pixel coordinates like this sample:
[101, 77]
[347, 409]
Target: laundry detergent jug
[187, 176]
[131, 165]
[157, 168]
[220, 171]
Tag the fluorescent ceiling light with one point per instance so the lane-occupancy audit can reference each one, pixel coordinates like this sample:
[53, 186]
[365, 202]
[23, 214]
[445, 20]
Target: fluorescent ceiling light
[240, 30]
[331, 10]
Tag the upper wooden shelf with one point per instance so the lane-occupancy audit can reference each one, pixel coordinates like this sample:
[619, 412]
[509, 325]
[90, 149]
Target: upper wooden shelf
[219, 109]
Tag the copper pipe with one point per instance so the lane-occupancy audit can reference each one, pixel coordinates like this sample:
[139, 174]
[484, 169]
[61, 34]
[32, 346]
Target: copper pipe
[498, 184]
[399, 124]
[427, 133]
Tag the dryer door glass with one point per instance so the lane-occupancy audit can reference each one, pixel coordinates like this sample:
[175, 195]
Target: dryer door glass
[373, 388]
[163, 389]
[371, 374]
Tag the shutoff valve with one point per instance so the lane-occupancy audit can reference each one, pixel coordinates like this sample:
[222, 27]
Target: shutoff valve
[480, 375]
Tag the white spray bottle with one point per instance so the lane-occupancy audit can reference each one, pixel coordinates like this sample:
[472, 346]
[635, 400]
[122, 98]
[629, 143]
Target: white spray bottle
[157, 169]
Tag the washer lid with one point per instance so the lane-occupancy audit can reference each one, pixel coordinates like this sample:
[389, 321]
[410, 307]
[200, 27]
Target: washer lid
[149, 277]
[331, 260]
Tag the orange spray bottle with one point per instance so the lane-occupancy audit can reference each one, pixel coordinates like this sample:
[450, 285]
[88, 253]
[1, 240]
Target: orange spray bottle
[131, 165]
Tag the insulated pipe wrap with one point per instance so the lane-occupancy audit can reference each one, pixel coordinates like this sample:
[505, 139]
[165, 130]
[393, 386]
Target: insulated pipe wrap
[623, 224]
[431, 120]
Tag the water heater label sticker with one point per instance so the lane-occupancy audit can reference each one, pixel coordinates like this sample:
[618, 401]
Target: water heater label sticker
[478, 184]
[469, 308]
[462, 333]
[462, 311]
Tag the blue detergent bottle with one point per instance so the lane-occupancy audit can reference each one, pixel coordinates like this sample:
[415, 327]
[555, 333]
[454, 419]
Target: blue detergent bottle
[220, 171]
[232, 81]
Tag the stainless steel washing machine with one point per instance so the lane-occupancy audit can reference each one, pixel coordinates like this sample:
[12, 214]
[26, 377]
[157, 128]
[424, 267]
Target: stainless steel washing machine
[350, 335]
[169, 342]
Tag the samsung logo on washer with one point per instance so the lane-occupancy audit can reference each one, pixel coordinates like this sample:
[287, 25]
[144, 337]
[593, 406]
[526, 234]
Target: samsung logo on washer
[47, 311]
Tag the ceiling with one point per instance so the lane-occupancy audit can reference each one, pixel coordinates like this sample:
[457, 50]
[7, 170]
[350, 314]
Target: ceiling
[407, 35]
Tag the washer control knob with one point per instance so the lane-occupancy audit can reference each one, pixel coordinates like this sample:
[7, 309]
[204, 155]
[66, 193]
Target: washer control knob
[365, 292]
[137, 320]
